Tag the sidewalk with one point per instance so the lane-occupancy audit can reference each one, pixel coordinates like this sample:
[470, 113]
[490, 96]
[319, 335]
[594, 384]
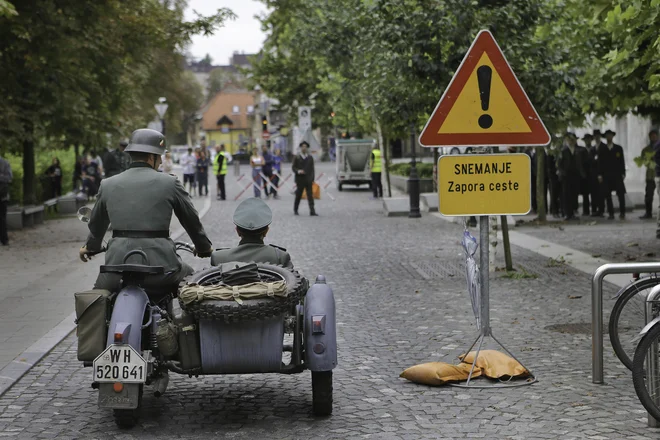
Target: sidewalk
[40, 273]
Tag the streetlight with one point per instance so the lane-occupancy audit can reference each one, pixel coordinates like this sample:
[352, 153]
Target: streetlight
[161, 108]
[413, 180]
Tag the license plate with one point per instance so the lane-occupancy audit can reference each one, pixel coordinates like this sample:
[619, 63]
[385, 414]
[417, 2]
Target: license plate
[120, 363]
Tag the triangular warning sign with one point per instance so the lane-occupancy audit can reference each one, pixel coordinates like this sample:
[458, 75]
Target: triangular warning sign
[484, 104]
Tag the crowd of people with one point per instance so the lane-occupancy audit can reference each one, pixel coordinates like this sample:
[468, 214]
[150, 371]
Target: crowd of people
[196, 164]
[593, 170]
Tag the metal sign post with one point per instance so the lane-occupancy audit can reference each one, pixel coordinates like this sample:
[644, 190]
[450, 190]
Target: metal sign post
[484, 105]
[485, 330]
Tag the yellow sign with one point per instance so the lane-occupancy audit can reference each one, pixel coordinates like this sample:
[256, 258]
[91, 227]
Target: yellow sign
[484, 104]
[464, 116]
[485, 184]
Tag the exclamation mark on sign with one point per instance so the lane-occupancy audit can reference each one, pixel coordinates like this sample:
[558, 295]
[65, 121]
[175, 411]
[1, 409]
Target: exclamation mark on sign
[484, 74]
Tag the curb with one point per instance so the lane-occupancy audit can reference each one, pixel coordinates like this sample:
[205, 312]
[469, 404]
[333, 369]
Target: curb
[24, 362]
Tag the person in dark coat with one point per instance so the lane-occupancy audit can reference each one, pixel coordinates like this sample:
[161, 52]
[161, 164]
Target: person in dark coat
[202, 169]
[597, 200]
[647, 160]
[55, 173]
[553, 179]
[611, 173]
[584, 159]
[6, 177]
[570, 171]
[267, 169]
[303, 169]
[534, 156]
[116, 161]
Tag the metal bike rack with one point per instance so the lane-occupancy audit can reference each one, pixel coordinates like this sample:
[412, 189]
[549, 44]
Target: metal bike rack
[597, 308]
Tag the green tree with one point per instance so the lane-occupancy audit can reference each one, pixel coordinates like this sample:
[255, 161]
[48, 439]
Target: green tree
[6, 8]
[624, 73]
[220, 77]
[74, 71]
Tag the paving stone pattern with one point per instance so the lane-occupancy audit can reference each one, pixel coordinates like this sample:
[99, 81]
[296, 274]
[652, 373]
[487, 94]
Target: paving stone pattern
[401, 300]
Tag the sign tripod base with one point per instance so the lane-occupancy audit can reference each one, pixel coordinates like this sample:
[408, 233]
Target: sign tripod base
[485, 330]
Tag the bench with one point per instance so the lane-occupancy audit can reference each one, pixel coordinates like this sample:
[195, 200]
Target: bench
[14, 217]
[70, 204]
[33, 215]
[51, 204]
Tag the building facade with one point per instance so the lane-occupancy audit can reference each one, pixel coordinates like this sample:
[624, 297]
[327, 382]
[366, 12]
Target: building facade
[228, 119]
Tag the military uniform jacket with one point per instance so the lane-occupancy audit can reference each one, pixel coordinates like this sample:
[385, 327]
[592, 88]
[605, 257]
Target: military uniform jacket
[142, 199]
[249, 250]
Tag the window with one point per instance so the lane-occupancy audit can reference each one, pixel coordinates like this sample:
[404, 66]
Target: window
[235, 110]
[250, 109]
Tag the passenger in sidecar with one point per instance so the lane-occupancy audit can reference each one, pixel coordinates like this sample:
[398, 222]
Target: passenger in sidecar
[252, 219]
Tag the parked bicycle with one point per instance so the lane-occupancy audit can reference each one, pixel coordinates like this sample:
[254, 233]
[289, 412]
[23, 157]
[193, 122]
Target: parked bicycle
[628, 316]
[646, 361]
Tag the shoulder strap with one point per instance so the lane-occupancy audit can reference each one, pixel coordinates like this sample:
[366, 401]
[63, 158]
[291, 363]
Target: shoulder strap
[278, 253]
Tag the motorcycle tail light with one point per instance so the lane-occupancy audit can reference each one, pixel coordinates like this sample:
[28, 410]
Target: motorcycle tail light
[119, 338]
[118, 387]
[318, 324]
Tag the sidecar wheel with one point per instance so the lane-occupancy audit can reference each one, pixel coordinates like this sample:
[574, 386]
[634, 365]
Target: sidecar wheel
[322, 393]
[128, 418]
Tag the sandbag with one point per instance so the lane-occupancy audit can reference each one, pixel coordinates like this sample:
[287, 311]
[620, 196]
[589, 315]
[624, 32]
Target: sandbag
[91, 318]
[496, 365]
[316, 192]
[439, 373]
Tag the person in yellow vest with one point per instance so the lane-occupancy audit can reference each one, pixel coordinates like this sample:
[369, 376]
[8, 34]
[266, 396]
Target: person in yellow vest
[222, 158]
[376, 169]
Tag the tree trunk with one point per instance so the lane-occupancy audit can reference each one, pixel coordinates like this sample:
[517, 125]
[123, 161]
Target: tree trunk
[540, 184]
[76, 151]
[507, 244]
[29, 187]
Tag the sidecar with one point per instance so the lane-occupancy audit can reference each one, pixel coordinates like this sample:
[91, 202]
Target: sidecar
[232, 325]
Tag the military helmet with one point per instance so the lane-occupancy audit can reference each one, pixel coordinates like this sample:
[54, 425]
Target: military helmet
[146, 140]
[253, 214]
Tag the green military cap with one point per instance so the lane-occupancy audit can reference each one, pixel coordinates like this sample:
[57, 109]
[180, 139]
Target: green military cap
[253, 214]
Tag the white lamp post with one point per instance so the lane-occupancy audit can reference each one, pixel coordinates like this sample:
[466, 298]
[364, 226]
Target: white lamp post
[161, 108]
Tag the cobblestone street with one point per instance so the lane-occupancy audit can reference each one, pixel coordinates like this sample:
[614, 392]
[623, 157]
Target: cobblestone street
[401, 298]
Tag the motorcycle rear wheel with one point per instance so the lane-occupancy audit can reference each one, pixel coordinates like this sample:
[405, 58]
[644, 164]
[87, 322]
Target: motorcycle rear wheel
[322, 393]
[128, 418]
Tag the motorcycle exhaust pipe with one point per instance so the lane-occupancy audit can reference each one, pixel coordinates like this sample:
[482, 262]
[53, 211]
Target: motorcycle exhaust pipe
[160, 385]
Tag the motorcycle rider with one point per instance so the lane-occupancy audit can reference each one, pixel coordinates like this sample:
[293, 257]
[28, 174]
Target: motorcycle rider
[139, 203]
[252, 218]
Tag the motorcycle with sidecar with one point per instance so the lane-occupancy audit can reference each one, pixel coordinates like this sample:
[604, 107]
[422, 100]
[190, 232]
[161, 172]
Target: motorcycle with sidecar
[135, 337]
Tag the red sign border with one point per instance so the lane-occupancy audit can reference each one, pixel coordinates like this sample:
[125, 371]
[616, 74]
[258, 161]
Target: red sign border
[484, 43]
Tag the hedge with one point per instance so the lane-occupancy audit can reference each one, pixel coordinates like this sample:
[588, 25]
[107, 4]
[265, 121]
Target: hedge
[42, 160]
[424, 170]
